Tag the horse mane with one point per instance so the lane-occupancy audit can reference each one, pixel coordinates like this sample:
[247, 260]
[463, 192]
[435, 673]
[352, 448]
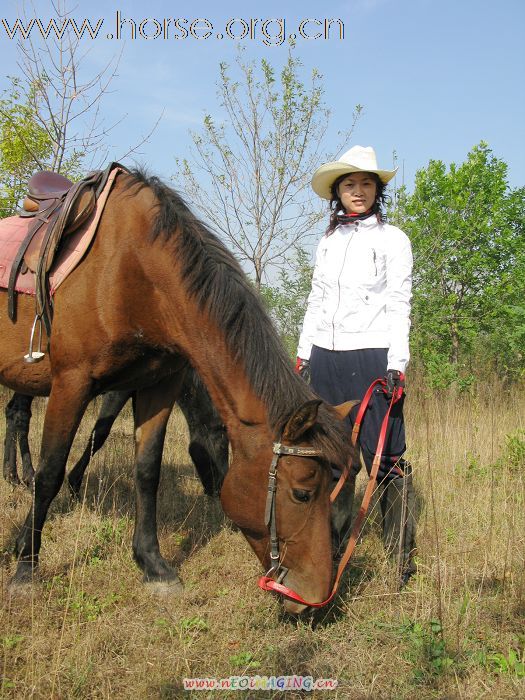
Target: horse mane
[217, 282]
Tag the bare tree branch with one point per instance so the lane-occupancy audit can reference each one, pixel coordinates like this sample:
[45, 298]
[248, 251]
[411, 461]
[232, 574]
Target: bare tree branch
[66, 98]
[257, 164]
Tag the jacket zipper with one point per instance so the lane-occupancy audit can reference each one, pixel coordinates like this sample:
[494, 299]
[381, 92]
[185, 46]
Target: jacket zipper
[339, 293]
[375, 258]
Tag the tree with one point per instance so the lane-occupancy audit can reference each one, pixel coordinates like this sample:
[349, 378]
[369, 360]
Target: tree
[504, 312]
[287, 300]
[467, 230]
[250, 175]
[64, 97]
[24, 144]
[51, 119]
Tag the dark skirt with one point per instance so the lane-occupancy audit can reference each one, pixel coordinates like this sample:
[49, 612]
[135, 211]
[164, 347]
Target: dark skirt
[339, 376]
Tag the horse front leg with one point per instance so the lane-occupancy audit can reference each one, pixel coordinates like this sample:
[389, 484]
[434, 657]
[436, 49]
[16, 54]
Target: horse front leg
[112, 404]
[152, 408]
[67, 402]
[17, 419]
[208, 446]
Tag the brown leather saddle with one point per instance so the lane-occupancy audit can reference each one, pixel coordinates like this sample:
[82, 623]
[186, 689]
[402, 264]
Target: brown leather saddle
[58, 207]
[47, 191]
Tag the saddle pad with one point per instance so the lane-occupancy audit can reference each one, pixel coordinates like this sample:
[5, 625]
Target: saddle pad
[13, 230]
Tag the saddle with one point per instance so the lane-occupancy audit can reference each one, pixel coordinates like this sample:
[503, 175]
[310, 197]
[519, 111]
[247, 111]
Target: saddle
[58, 207]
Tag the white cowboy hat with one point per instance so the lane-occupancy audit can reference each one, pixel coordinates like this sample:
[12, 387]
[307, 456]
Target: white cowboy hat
[358, 159]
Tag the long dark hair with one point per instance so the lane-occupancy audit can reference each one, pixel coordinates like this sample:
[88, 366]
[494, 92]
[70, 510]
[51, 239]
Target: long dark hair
[336, 206]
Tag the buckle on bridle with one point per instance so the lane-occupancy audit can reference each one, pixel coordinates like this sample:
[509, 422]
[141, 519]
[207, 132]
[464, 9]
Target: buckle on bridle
[274, 569]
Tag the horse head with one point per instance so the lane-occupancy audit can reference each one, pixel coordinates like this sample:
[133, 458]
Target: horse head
[280, 499]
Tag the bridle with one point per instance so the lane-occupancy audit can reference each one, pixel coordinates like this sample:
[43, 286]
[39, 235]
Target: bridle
[270, 512]
[266, 582]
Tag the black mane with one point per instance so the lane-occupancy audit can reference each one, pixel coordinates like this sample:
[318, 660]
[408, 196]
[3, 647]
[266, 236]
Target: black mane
[216, 281]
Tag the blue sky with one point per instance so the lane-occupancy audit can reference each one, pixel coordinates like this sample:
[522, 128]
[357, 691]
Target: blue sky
[434, 77]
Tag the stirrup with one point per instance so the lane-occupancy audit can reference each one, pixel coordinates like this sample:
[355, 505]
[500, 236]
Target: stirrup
[35, 355]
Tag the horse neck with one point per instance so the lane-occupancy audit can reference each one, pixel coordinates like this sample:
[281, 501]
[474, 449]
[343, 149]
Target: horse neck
[191, 330]
[242, 411]
[179, 325]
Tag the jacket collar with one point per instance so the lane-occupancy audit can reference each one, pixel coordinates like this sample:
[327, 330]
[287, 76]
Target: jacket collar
[368, 223]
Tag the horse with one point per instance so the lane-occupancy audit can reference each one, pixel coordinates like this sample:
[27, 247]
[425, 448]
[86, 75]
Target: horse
[208, 446]
[159, 291]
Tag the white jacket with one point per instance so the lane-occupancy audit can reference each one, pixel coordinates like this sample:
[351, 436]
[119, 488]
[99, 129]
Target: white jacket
[361, 291]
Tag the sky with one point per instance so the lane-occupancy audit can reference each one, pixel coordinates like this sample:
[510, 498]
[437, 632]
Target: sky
[434, 77]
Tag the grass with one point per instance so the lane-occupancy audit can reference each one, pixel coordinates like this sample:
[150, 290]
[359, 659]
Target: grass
[90, 629]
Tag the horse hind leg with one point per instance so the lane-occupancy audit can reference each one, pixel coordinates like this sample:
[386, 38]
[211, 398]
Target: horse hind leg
[28, 473]
[67, 402]
[152, 408]
[112, 404]
[18, 417]
[9, 466]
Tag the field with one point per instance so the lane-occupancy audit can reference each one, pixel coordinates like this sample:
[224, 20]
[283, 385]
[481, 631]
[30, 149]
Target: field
[89, 628]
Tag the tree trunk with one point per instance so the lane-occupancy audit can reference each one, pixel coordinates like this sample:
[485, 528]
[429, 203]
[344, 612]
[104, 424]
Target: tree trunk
[454, 356]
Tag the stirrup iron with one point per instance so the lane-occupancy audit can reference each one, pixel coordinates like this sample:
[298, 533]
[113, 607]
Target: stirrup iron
[35, 355]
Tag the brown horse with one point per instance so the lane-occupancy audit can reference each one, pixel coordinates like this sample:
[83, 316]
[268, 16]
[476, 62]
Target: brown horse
[157, 291]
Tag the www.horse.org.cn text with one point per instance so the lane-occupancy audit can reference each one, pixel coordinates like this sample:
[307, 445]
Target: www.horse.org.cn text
[271, 32]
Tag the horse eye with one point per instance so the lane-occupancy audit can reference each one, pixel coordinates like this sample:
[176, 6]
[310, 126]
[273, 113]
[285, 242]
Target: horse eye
[300, 495]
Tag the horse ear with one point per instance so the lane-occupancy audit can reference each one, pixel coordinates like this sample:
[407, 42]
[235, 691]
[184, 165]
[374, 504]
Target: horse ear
[301, 420]
[344, 409]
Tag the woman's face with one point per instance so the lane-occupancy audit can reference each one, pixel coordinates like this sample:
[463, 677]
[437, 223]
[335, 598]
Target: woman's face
[357, 192]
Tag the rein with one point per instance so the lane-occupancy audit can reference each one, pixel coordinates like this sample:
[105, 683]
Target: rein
[269, 584]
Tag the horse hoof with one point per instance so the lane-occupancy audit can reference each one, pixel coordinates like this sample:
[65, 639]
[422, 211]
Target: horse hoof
[28, 480]
[12, 479]
[74, 492]
[20, 588]
[165, 589]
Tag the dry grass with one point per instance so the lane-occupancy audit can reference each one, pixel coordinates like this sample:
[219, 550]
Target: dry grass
[90, 629]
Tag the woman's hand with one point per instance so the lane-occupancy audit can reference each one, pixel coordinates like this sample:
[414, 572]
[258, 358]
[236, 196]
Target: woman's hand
[302, 367]
[395, 382]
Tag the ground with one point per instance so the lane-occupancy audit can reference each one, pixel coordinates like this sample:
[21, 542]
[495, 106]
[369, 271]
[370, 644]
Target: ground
[89, 628]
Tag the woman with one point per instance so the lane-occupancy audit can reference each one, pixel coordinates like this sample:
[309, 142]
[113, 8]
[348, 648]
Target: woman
[356, 329]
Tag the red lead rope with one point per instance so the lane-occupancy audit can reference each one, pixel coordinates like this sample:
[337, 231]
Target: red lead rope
[267, 583]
